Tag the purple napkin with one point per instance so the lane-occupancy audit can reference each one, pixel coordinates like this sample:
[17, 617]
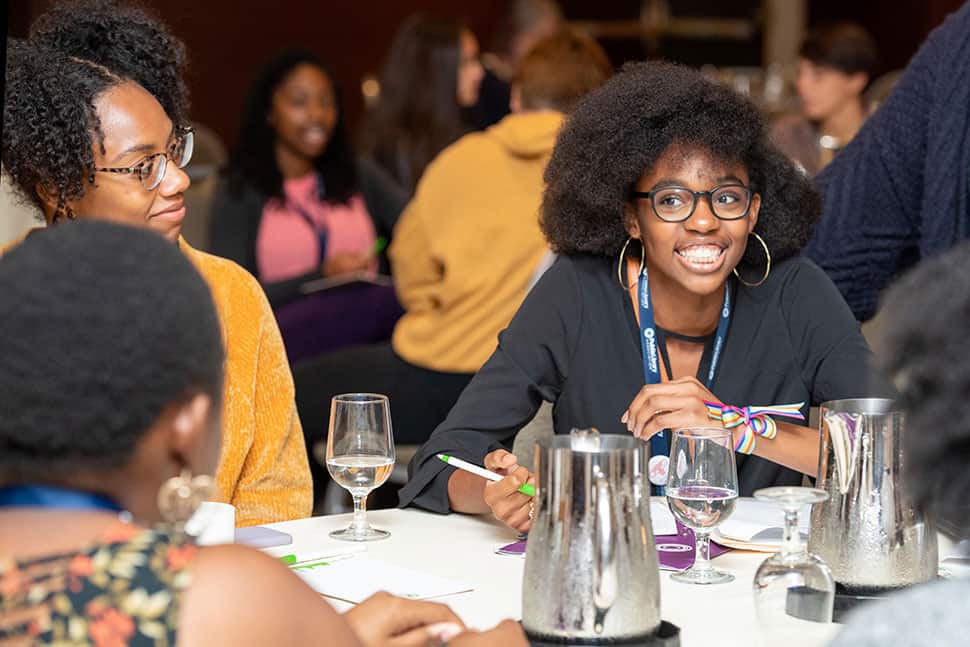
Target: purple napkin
[673, 551]
[677, 551]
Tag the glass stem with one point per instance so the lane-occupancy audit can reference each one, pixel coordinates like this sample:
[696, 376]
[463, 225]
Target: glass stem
[359, 524]
[702, 552]
[792, 544]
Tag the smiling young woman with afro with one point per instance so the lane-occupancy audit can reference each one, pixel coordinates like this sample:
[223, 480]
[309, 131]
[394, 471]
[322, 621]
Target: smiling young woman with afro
[660, 173]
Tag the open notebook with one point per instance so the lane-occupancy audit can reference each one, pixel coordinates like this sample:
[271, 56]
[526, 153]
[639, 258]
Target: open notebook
[758, 526]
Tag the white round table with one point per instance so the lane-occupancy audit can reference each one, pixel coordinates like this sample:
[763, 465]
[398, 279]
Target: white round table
[463, 547]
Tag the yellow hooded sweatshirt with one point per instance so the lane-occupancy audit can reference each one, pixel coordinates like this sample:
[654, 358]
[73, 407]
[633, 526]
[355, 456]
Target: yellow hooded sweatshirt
[468, 244]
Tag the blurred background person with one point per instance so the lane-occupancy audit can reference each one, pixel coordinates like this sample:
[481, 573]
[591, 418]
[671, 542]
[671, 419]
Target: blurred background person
[929, 361]
[105, 452]
[291, 208]
[464, 254]
[430, 79]
[94, 128]
[524, 23]
[900, 192]
[836, 64]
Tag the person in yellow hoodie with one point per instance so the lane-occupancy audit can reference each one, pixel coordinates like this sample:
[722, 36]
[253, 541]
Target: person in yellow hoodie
[94, 129]
[464, 253]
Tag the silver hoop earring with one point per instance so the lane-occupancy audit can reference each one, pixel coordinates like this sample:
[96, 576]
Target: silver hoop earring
[620, 266]
[764, 278]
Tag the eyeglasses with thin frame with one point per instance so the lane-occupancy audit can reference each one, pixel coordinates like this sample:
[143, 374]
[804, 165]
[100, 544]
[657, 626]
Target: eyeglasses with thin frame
[677, 203]
[151, 170]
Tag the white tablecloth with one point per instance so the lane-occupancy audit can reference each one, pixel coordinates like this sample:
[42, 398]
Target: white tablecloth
[463, 547]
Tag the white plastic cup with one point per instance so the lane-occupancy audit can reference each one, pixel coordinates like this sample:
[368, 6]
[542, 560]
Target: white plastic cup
[213, 523]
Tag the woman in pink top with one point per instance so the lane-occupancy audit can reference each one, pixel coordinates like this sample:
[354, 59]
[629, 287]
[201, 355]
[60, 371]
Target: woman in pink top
[295, 206]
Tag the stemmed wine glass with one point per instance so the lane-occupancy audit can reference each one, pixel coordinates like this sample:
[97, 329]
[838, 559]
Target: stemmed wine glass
[702, 490]
[792, 583]
[360, 455]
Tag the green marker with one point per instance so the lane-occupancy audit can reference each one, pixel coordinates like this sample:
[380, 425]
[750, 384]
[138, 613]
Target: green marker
[313, 565]
[303, 561]
[527, 488]
[379, 245]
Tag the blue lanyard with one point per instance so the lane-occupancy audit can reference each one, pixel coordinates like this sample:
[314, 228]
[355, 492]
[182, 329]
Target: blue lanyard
[660, 443]
[319, 231]
[48, 496]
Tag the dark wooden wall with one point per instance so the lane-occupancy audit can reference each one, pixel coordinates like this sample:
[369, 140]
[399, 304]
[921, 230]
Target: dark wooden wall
[229, 39]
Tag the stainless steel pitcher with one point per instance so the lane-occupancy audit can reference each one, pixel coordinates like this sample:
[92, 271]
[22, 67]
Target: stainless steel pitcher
[868, 531]
[591, 570]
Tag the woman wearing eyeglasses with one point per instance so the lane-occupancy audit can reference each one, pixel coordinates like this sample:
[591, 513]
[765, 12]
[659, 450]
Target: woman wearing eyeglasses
[678, 293]
[93, 129]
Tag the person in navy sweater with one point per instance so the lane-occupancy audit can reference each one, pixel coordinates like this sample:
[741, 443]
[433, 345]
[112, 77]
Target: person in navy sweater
[900, 191]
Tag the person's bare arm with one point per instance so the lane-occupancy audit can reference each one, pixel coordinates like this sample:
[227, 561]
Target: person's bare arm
[241, 597]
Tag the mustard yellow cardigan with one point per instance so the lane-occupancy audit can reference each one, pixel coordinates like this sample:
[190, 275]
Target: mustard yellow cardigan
[263, 470]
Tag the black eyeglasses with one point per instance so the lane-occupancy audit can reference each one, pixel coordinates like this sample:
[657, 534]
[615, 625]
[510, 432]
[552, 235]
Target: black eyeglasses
[151, 170]
[677, 204]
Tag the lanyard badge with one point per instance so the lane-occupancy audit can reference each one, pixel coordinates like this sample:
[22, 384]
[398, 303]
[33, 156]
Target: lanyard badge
[659, 464]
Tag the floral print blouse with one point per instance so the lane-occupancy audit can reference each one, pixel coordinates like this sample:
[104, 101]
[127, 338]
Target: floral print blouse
[124, 589]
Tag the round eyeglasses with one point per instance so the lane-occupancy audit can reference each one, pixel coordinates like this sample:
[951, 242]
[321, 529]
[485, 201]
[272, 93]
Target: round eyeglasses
[151, 170]
[677, 204]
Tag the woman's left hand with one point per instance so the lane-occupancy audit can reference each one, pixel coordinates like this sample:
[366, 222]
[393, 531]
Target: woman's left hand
[669, 405]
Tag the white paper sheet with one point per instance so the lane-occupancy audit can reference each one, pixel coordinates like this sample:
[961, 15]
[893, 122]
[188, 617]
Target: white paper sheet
[317, 548]
[662, 519]
[358, 578]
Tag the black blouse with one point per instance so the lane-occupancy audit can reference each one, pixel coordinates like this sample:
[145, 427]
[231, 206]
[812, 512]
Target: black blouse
[575, 342]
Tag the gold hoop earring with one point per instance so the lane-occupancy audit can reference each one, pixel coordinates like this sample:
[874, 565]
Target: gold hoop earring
[764, 278]
[620, 266]
[180, 496]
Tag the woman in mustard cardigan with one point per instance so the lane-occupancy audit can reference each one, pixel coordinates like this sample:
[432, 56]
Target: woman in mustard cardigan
[99, 134]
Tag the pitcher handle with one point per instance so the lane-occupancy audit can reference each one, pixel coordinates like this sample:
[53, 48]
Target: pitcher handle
[605, 578]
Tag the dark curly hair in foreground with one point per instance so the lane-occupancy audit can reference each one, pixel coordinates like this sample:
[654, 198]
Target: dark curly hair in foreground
[50, 125]
[92, 357]
[619, 131]
[124, 38]
[253, 160]
[927, 354]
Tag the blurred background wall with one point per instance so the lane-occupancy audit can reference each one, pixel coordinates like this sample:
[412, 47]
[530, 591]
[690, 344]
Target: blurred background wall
[229, 39]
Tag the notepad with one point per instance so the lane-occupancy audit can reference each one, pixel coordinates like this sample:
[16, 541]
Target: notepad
[356, 579]
[757, 526]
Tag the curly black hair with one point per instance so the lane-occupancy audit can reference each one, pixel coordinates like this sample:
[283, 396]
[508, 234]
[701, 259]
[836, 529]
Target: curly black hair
[618, 132]
[927, 357]
[252, 161]
[76, 51]
[125, 38]
[50, 124]
[92, 357]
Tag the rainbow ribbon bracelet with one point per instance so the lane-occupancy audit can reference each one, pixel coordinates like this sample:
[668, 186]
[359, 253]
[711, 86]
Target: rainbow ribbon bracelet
[754, 421]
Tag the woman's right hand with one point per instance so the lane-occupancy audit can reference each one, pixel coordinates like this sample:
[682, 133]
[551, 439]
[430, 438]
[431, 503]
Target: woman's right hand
[385, 620]
[508, 633]
[509, 505]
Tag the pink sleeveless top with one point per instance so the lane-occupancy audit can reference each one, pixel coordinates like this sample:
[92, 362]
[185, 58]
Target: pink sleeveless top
[288, 246]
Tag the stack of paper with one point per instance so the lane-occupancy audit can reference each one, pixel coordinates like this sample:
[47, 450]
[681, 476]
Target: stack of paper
[758, 526]
[355, 580]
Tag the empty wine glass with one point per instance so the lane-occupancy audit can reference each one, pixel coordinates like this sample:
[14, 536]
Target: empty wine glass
[702, 490]
[793, 583]
[360, 455]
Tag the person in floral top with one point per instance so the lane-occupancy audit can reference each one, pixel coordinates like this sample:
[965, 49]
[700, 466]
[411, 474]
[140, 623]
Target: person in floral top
[90, 438]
